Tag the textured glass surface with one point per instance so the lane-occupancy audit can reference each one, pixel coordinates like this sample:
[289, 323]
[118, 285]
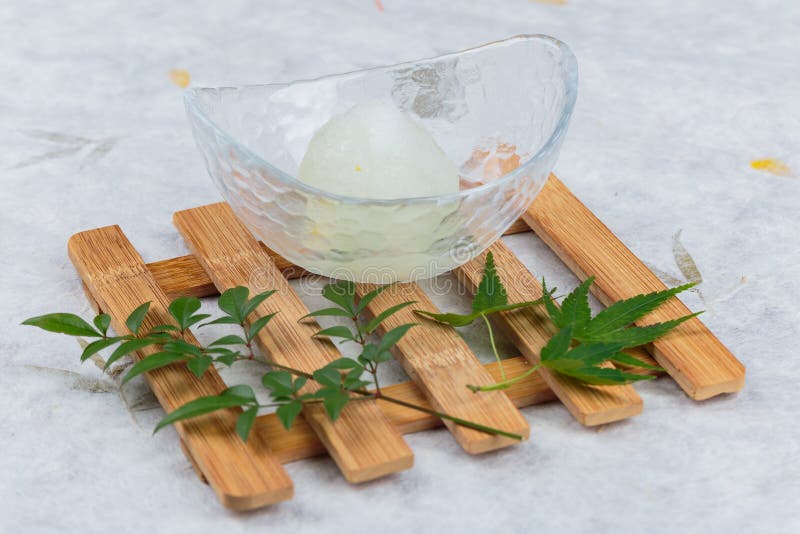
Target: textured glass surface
[499, 112]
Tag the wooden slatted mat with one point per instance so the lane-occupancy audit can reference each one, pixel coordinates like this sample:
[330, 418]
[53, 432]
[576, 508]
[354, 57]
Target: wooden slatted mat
[441, 364]
[366, 442]
[362, 441]
[243, 475]
[691, 354]
[530, 329]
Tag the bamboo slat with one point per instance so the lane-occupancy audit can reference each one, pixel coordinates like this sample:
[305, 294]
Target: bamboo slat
[244, 476]
[442, 365]
[362, 441]
[530, 329]
[691, 354]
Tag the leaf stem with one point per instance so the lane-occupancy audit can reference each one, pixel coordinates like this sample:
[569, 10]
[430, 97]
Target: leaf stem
[505, 384]
[494, 347]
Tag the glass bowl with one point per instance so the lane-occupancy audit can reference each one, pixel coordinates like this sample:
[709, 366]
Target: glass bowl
[499, 112]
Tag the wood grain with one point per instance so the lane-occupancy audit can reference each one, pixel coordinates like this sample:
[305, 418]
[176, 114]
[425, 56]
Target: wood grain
[362, 441]
[244, 476]
[441, 364]
[691, 354]
[530, 329]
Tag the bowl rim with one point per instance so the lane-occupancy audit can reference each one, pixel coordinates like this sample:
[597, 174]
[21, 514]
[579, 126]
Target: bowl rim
[570, 74]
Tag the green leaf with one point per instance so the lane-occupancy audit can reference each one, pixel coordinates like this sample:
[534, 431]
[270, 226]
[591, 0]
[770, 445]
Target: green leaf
[390, 338]
[228, 340]
[334, 400]
[63, 323]
[593, 354]
[455, 319]
[255, 302]
[279, 383]
[328, 312]
[191, 321]
[155, 361]
[344, 364]
[245, 422]
[227, 358]
[134, 320]
[328, 376]
[242, 391]
[179, 346]
[490, 292]
[343, 294]
[385, 314]
[604, 376]
[96, 346]
[557, 346]
[369, 297]
[337, 331]
[233, 302]
[575, 311]
[221, 320]
[630, 361]
[199, 365]
[552, 310]
[625, 312]
[288, 412]
[102, 322]
[372, 354]
[164, 328]
[258, 325]
[200, 406]
[637, 335]
[127, 347]
[182, 309]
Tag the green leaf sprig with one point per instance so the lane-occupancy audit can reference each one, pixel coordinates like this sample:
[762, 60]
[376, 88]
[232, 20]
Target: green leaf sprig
[582, 343]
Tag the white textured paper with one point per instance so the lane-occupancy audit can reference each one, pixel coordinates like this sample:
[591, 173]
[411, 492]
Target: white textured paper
[676, 99]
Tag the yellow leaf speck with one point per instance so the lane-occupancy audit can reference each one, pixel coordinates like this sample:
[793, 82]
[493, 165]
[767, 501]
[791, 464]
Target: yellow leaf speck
[772, 166]
[358, 168]
[180, 77]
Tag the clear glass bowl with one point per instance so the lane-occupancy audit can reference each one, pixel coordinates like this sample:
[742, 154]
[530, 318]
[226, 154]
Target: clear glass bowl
[499, 111]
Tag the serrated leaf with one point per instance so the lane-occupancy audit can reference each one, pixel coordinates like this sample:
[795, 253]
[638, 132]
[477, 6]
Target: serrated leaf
[328, 312]
[288, 412]
[245, 422]
[233, 302]
[96, 346]
[557, 346]
[625, 312]
[231, 339]
[630, 361]
[491, 292]
[552, 310]
[575, 311]
[343, 294]
[155, 361]
[127, 347]
[182, 309]
[369, 297]
[102, 322]
[134, 320]
[455, 319]
[63, 323]
[200, 406]
[604, 376]
[637, 335]
[255, 302]
[199, 365]
[593, 354]
[385, 314]
[390, 338]
[336, 331]
[221, 320]
[258, 325]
